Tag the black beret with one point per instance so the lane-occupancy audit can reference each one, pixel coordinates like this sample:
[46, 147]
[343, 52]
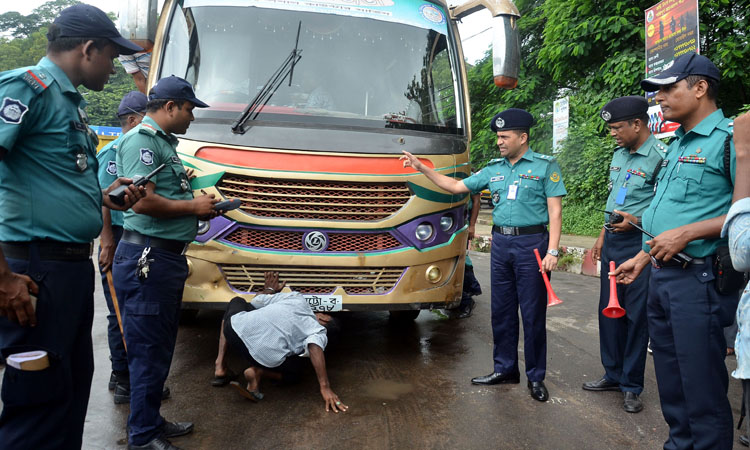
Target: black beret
[624, 108]
[512, 119]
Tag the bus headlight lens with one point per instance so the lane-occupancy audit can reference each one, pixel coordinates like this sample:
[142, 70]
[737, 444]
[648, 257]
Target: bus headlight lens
[433, 274]
[446, 222]
[203, 226]
[424, 231]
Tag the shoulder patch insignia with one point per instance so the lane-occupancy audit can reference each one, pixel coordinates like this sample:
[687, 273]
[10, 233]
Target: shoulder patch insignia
[176, 160]
[12, 111]
[555, 177]
[112, 168]
[147, 156]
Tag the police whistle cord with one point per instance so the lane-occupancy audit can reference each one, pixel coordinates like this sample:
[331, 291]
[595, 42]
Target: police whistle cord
[116, 306]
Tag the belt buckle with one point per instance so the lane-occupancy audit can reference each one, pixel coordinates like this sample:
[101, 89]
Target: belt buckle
[508, 230]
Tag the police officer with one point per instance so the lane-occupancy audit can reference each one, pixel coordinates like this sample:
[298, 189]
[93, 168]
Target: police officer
[149, 268]
[50, 211]
[130, 112]
[635, 164]
[685, 311]
[527, 191]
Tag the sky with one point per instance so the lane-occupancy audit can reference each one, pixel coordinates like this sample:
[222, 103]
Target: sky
[475, 39]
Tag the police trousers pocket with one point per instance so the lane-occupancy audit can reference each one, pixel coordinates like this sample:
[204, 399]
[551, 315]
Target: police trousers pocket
[142, 309]
[33, 387]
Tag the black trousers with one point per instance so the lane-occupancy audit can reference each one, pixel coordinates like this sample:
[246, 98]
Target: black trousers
[291, 367]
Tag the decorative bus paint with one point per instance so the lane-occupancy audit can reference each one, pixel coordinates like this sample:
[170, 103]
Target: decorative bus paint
[326, 201]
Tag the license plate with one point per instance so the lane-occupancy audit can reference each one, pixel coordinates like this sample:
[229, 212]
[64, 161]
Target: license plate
[324, 303]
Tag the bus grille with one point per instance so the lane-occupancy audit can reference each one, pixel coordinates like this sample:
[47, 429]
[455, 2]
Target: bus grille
[322, 200]
[292, 240]
[363, 280]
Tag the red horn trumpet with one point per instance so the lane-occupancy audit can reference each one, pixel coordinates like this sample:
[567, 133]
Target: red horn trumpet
[552, 298]
[613, 310]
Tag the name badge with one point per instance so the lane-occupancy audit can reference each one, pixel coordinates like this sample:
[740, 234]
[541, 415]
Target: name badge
[500, 178]
[512, 191]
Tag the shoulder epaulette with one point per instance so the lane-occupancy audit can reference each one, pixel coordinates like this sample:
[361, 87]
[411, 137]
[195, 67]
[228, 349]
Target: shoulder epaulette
[147, 129]
[37, 79]
[660, 146]
[544, 157]
[496, 160]
[727, 125]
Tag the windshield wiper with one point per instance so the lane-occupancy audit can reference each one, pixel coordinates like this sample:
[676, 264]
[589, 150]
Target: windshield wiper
[254, 108]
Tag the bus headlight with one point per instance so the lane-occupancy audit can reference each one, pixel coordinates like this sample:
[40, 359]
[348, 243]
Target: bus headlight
[446, 222]
[424, 231]
[433, 274]
[203, 226]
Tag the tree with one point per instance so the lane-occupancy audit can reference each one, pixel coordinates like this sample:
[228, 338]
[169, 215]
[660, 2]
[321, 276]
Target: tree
[593, 51]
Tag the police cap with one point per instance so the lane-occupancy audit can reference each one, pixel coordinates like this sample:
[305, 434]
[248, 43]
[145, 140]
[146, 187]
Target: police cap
[512, 119]
[682, 67]
[88, 21]
[624, 108]
[174, 88]
[132, 102]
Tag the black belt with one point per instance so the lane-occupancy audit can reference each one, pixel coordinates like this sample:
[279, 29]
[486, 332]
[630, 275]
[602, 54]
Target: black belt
[516, 231]
[673, 263]
[169, 245]
[48, 250]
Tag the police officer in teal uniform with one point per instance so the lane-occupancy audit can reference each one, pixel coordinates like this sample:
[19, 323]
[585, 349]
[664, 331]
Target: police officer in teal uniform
[130, 112]
[50, 211]
[527, 190]
[149, 267]
[685, 311]
[632, 174]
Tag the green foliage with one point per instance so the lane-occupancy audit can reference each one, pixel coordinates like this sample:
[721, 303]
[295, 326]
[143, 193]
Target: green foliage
[102, 108]
[29, 44]
[593, 51]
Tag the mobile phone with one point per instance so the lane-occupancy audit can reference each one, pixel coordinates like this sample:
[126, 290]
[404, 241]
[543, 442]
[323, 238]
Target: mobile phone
[118, 194]
[228, 205]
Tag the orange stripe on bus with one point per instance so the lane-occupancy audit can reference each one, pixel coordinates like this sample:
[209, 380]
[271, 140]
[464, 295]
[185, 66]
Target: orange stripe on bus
[306, 163]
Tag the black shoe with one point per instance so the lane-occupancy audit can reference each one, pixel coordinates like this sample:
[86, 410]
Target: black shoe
[601, 385]
[122, 393]
[538, 390]
[744, 440]
[156, 444]
[174, 429]
[466, 312]
[632, 403]
[497, 378]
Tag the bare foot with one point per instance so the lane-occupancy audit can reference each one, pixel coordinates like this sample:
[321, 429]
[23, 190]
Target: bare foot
[220, 371]
[253, 376]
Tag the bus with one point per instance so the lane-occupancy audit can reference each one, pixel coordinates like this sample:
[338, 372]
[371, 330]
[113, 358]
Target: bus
[311, 104]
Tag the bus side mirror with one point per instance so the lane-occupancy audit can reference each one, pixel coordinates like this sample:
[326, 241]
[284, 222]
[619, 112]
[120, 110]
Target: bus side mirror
[506, 47]
[138, 22]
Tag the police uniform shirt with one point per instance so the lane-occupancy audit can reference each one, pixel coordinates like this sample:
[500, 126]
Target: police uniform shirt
[537, 178]
[141, 150]
[108, 173]
[692, 185]
[48, 178]
[636, 172]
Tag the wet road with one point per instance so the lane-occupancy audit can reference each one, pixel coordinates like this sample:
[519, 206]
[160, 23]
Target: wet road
[407, 387]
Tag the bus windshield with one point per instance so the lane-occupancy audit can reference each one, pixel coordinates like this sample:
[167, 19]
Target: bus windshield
[355, 70]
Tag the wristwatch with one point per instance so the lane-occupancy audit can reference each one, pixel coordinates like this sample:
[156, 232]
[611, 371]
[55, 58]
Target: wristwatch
[553, 252]
[269, 290]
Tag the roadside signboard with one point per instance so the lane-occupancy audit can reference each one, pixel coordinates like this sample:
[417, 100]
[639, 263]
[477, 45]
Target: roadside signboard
[560, 116]
[671, 31]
